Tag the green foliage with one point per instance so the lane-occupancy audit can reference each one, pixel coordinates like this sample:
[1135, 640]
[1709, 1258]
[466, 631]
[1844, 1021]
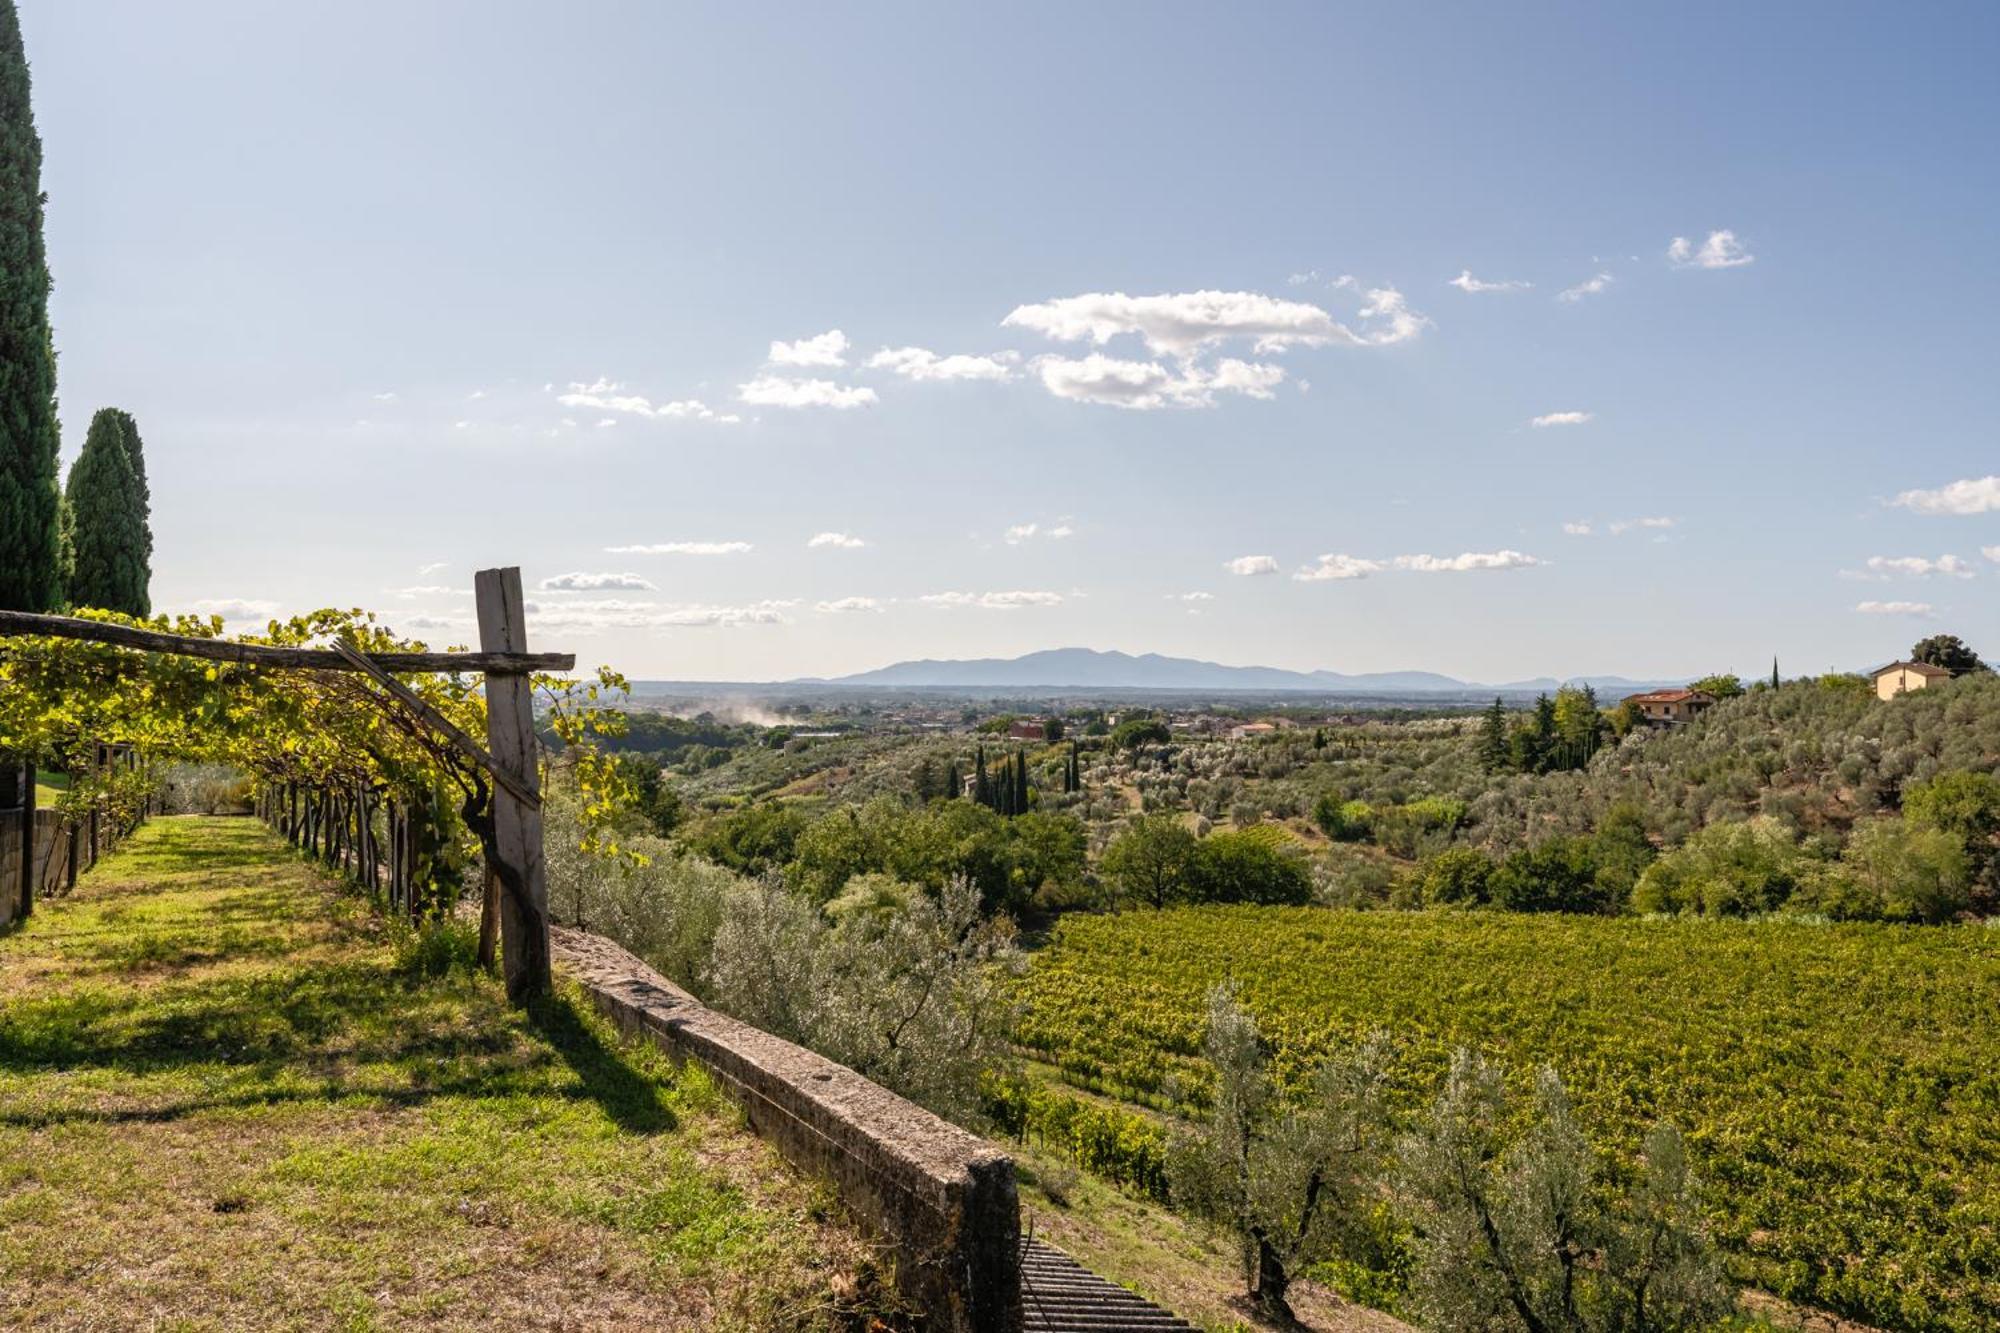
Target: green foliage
[111, 540]
[1894, 870]
[31, 576]
[1456, 877]
[1344, 821]
[1559, 875]
[1827, 1077]
[751, 840]
[1248, 866]
[1739, 868]
[1148, 862]
[1966, 805]
[655, 802]
[1135, 732]
[1721, 686]
[1121, 1146]
[1947, 651]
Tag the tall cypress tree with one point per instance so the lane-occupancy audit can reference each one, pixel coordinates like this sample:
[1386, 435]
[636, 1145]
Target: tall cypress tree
[982, 790]
[30, 438]
[111, 543]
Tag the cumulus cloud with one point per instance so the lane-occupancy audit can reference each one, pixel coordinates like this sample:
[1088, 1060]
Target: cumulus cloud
[681, 548]
[992, 601]
[838, 540]
[827, 349]
[236, 608]
[437, 622]
[1251, 564]
[776, 391]
[1465, 282]
[1917, 566]
[584, 616]
[1720, 250]
[1147, 385]
[1190, 596]
[1183, 324]
[1624, 525]
[843, 605]
[1974, 495]
[1335, 567]
[1562, 419]
[1588, 287]
[1579, 529]
[1464, 562]
[1991, 553]
[416, 590]
[1920, 609]
[602, 395]
[917, 363]
[584, 582]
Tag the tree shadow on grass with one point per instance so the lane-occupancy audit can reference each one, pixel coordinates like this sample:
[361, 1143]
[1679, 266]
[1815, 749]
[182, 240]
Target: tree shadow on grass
[632, 1098]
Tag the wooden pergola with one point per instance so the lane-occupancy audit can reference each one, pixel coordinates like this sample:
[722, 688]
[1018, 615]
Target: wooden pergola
[510, 756]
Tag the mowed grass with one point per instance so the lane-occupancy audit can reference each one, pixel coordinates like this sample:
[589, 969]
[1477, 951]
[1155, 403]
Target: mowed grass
[228, 1099]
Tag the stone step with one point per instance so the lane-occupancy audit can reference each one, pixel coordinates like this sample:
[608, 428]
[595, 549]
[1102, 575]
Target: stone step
[1059, 1295]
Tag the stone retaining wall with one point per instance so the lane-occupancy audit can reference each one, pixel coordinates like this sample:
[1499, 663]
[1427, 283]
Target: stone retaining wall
[942, 1198]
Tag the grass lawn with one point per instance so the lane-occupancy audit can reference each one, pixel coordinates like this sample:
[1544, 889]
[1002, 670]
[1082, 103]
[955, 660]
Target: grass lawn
[230, 1097]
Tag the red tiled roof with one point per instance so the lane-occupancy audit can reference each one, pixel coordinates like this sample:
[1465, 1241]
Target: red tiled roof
[1668, 697]
[1921, 668]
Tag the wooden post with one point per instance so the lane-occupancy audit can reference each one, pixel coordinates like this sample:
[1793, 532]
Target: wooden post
[28, 838]
[517, 824]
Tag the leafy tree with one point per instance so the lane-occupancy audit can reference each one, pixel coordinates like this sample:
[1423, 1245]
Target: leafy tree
[111, 543]
[1052, 729]
[1135, 732]
[1045, 849]
[31, 576]
[1736, 868]
[1149, 861]
[1455, 877]
[1559, 875]
[1621, 847]
[1248, 866]
[1895, 870]
[1344, 821]
[1521, 1235]
[1947, 651]
[1294, 1184]
[1723, 685]
[1965, 804]
[652, 798]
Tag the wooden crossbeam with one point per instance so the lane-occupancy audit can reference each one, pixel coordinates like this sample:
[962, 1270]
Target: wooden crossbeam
[27, 623]
[450, 730]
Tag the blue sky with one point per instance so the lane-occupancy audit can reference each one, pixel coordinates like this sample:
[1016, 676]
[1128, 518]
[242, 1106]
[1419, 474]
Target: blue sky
[400, 290]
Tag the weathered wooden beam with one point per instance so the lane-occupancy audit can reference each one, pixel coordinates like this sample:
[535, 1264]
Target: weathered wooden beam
[415, 702]
[28, 799]
[517, 824]
[26, 623]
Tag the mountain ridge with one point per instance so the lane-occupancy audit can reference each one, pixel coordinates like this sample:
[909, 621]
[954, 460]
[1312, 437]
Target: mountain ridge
[1091, 668]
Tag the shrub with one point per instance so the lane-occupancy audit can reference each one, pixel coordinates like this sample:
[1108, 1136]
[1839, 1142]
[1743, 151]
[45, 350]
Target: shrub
[1248, 866]
[1738, 868]
[1457, 877]
[1344, 821]
[1559, 875]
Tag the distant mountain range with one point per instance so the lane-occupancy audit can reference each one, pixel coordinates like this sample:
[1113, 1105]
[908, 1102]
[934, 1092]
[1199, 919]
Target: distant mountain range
[1087, 668]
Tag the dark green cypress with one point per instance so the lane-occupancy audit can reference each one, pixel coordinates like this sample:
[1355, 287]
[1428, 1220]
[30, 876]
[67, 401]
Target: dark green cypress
[982, 789]
[1020, 782]
[953, 788]
[1774, 671]
[30, 437]
[111, 542]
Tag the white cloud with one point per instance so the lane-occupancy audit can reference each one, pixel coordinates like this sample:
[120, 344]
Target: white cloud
[1588, 287]
[1624, 525]
[1720, 250]
[776, 391]
[584, 616]
[1917, 566]
[1579, 529]
[1190, 596]
[236, 608]
[436, 622]
[1022, 532]
[428, 590]
[1919, 609]
[992, 601]
[1251, 564]
[827, 349]
[601, 395]
[917, 363]
[1976, 495]
[1146, 385]
[1335, 567]
[681, 548]
[384, 397]
[475, 395]
[1467, 561]
[1562, 419]
[1465, 282]
[582, 582]
[432, 568]
[844, 605]
[838, 540]
[1184, 324]
[1991, 553]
